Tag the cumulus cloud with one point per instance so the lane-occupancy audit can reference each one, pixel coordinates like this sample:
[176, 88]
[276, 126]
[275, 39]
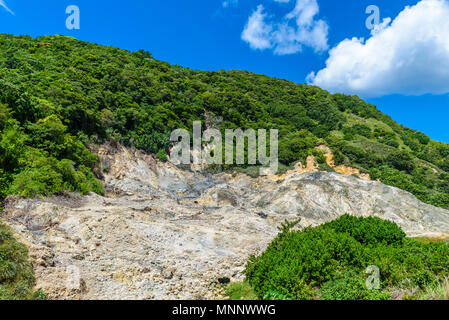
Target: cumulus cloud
[3, 4]
[409, 55]
[295, 30]
[257, 32]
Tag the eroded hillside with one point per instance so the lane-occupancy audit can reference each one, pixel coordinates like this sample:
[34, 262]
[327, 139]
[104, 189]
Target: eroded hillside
[164, 233]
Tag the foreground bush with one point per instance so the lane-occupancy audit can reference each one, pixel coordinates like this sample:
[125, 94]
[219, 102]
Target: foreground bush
[329, 261]
[16, 274]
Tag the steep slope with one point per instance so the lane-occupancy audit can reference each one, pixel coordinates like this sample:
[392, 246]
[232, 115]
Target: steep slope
[164, 233]
[58, 94]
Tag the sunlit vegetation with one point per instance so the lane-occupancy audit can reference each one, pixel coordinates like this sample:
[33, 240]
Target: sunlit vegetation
[16, 273]
[58, 95]
[330, 262]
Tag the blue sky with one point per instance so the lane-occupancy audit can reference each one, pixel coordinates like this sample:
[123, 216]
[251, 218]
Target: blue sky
[400, 67]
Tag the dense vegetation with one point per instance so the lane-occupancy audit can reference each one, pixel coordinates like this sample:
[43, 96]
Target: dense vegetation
[330, 262]
[58, 95]
[16, 273]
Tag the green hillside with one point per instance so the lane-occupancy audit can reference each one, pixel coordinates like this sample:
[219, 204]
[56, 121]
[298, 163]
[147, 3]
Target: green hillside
[58, 95]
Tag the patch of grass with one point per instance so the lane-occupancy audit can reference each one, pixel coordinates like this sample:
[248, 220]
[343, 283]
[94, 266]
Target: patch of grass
[274, 295]
[254, 171]
[431, 239]
[439, 291]
[240, 291]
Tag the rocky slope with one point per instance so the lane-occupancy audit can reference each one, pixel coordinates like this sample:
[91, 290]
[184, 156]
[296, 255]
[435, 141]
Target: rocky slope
[164, 233]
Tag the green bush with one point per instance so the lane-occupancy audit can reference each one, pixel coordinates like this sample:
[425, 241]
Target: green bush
[37, 181]
[296, 146]
[273, 295]
[333, 258]
[350, 286]
[49, 161]
[358, 129]
[240, 291]
[162, 155]
[4, 183]
[16, 274]
[371, 230]
[46, 176]
[296, 261]
[402, 161]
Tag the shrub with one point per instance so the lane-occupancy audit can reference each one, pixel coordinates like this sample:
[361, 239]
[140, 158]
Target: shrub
[333, 258]
[16, 274]
[401, 160]
[37, 181]
[339, 158]
[274, 295]
[296, 146]
[390, 142]
[48, 176]
[326, 167]
[350, 286]
[4, 182]
[371, 230]
[162, 155]
[297, 260]
[240, 291]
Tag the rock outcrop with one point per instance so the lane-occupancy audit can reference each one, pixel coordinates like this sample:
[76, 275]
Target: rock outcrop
[164, 233]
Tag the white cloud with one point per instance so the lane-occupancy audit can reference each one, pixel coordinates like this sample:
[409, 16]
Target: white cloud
[3, 4]
[230, 3]
[296, 29]
[407, 56]
[257, 32]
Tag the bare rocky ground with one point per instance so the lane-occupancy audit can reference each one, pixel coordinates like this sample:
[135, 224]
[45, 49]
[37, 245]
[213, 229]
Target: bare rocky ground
[164, 233]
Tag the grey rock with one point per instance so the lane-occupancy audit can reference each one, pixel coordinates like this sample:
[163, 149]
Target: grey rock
[166, 233]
